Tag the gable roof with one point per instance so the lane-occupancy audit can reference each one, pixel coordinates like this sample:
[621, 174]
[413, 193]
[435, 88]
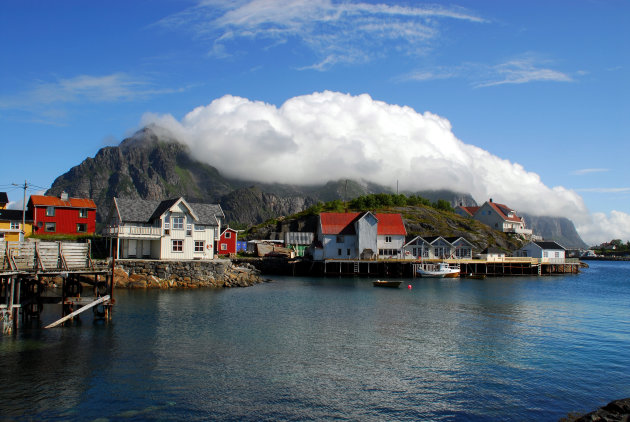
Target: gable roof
[454, 239]
[342, 223]
[390, 224]
[504, 211]
[53, 201]
[413, 241]
[338, 222]
[548, 245]
[146, 211]
[469, 210]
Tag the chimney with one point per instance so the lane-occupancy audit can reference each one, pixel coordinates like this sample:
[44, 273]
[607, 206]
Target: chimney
[64, 196]
[490, 199]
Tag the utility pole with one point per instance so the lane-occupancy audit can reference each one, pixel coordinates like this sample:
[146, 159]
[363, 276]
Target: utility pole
[23, 207]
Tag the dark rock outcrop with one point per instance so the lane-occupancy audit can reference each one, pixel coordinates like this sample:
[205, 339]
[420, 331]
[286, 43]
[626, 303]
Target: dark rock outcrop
[615, 411]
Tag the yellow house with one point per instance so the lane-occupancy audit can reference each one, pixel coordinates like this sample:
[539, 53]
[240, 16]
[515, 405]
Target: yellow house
[11, 229]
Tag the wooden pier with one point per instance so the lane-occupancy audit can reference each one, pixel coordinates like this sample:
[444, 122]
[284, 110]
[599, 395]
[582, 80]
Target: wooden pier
[25, 274]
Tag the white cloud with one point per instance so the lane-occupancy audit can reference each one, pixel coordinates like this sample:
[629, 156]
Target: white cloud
[327, 136]
[84, 88]
[604, 190]
[338, 32]
[581, 172]
[522, 70]
[599, 227]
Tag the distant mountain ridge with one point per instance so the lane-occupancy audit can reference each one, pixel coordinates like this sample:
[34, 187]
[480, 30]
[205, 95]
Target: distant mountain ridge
[152, 166]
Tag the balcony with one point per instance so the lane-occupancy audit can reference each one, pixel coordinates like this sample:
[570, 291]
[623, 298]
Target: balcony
[135, 232]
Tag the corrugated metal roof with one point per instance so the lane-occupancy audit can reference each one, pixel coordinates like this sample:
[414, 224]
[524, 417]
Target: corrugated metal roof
[390, 224]
[342, 223]
[53, 201]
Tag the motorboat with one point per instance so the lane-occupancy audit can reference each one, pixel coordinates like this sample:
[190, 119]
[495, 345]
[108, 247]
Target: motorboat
[438, 270]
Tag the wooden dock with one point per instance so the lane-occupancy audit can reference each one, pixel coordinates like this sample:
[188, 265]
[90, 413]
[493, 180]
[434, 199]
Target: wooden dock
[25, 274]
[468, 267]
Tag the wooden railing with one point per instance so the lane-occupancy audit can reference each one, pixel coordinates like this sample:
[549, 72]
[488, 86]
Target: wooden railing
[123, 231]
[45, 256]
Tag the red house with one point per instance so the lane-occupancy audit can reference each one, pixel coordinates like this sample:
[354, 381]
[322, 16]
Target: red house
[63, 215]
[227, 242]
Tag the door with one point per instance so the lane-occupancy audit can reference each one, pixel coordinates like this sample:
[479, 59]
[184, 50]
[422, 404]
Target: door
[132, 247]
[146, 248]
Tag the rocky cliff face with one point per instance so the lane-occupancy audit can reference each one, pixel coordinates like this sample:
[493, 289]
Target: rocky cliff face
[559, 229]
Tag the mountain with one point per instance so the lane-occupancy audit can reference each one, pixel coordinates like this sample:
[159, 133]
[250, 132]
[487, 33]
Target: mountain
[152, 166]
[559, 229]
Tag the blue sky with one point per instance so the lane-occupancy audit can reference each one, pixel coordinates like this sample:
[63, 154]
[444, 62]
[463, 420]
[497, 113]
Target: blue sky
[542, 87]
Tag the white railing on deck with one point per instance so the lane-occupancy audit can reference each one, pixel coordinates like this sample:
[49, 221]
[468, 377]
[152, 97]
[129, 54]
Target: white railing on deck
[132, 231]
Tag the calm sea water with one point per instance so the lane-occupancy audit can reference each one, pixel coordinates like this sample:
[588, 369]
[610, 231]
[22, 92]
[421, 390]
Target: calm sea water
[334, 349]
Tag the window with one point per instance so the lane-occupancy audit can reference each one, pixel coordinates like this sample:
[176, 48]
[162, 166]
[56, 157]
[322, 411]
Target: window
[425, 252]
[339, 252]
[81, 227]
[545, 254]
[388, 239]
[199, 245]
[178, 245]
[178, 223]
[199, 227]
[557, 254]
[340, 239]
[167, 222]
[223, 246]
[51, 227]
[15, 225]
[228, 235]
[83, 213]
[50, 211]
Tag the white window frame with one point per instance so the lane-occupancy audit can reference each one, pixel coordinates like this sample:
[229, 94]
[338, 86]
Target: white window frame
[83, 213]
[223, 247]
[178, 223]
[50, 211]
[228, 235]
[199, 245]
[388, 239]
[15, 225]
[199, 227]
[179, 248]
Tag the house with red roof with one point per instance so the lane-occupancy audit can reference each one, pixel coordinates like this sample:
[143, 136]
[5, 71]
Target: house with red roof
[498, 216]
[359, 236]
[62, 215]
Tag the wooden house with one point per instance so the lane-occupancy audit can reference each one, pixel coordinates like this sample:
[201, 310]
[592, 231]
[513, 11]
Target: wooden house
[62, 215]
[171, 229]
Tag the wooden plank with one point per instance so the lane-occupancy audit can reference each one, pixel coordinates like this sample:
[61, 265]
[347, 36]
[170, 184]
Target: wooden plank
[78, 311]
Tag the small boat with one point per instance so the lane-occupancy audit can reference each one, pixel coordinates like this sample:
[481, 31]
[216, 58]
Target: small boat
[385, 283]
[477, 276]
[438, 270]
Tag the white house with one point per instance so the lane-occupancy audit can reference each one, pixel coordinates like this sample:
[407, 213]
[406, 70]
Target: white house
[170, 229]
[546, 251]
[492, 254]
[498, 216]
[359, 236]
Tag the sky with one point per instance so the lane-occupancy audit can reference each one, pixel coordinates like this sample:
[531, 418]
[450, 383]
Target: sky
[527, 103]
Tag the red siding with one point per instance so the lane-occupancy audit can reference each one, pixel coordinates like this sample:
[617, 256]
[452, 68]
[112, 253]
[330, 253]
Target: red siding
[230, 243]
[65, 219]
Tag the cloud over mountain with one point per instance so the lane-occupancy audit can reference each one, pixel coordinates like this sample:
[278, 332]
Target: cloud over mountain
[325, 136]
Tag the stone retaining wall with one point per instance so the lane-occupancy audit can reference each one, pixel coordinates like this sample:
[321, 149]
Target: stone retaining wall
[138, 273]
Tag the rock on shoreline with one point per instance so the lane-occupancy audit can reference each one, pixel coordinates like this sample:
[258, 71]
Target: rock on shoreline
[615, 411]
[141, 274]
